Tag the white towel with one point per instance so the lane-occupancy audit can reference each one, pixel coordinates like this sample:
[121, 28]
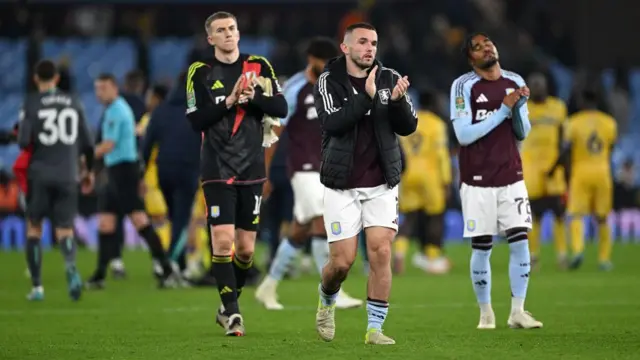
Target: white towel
[269, 136]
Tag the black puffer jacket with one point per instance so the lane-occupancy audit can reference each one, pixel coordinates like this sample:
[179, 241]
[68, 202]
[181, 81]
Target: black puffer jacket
[339, 110]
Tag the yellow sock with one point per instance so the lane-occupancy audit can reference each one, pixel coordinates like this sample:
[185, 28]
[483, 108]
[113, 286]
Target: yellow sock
[401, 245]
[560, 238]
[604, 242]
[432, 251]
[577, 235]
[164, 233]
[534, 239]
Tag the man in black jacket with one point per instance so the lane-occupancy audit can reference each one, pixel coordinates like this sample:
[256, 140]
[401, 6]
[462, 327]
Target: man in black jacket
[362, 106]
[226, 104]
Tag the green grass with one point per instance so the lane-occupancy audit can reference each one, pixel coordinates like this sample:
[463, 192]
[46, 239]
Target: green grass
[587, 315]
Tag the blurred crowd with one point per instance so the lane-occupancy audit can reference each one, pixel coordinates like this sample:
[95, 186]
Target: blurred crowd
[419, 39]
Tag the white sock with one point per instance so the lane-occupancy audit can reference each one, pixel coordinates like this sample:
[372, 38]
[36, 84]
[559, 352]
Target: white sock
[320, 251]
[517, 304]
[486, 308]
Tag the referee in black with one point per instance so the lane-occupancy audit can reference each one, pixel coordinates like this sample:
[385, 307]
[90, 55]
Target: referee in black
[120, 153]
[227, 106]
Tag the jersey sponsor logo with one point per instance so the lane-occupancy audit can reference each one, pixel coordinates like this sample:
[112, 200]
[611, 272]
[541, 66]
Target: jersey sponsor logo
[509, 90]
[220, 99]
[459, 103]
[384, 95]
[336, 229]
[215, 211]
[482, 99]
[483, 114]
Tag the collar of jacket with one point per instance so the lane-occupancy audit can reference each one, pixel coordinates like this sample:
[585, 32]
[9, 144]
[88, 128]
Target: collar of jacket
[338, 69]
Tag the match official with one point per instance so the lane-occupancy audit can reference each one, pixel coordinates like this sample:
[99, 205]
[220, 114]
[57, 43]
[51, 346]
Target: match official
[228, 96]
[118, 148]
[362, 107]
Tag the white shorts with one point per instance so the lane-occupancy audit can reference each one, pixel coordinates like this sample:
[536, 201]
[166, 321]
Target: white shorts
[307, 196]
[347, 212]
[493, 210]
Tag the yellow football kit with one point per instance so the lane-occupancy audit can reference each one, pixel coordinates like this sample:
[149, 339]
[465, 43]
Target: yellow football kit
[540, 152]
[427, 175]
[428, 167]
[591, 135]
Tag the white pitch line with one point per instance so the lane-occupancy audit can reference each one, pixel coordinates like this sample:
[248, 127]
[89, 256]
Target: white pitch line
[197, 309]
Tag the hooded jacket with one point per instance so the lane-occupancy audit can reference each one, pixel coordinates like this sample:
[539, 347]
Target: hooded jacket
[340, 109]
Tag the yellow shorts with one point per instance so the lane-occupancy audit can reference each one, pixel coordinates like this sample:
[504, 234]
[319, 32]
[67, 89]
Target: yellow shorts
[590, 195]
[153, 199]
[427, 195]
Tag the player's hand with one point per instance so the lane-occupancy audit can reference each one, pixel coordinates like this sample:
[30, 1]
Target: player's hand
[87, 183]
[247, 95]
[525, 91]
[400, 89]
[370, 84]
[511, 99]
[232, 98]
[267, 188]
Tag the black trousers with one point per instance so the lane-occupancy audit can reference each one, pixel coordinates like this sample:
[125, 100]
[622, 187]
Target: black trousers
[179, 185]
[277, 209]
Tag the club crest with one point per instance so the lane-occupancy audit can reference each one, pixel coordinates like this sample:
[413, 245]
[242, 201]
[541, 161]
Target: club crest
[384, 95]
[471, 225]
[336, 229]
[215, 211]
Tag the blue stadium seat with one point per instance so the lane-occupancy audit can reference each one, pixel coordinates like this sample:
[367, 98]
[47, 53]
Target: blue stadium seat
[10, 105]
[89, 58]
[92, 108]
[634, 82]
[256, 46]
[608, 79]
[167, 58]
[13, 60]
[8, 155]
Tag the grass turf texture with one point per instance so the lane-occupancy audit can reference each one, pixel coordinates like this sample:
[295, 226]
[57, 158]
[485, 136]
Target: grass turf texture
[587, 314]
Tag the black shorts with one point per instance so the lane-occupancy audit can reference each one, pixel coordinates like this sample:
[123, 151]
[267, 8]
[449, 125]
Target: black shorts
[237, 205]
[121, 193]
[545, 203]
[56, 201]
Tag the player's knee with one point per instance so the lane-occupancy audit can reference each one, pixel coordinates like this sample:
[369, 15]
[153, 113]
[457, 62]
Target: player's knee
[245, 245]
[140, 219]
[106, 223]
[64, 231]
[484, 242]
[517, 234]
[223, 236]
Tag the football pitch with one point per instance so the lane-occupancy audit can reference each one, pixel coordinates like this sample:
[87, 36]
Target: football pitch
[587, 314]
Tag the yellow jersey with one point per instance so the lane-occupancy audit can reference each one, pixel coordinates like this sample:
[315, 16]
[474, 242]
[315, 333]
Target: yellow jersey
[591, 135]
[541, 149]
[426, 150]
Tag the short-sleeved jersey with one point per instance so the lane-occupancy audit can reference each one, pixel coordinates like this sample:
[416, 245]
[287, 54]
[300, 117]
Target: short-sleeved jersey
[232, 149]
[542, 147]
[426, 150]
[303, 126]
[54, 123]
[119, 126]
[493, 160]
[591, 135]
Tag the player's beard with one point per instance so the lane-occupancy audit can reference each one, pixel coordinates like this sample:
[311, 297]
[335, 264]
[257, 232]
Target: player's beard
[360, 63]
[488, 64]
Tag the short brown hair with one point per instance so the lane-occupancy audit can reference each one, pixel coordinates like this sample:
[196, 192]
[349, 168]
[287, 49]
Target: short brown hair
[217, 16]
[360, 25]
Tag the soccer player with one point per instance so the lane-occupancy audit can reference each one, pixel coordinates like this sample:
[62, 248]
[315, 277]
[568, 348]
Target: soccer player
[177, 164]
[423, 191]
[489, 118]
[305, 141]
[362, 107]
[153, 200]
[226, 105]
[118, 148]
[589, 136]
[540, 151]
[53, 125]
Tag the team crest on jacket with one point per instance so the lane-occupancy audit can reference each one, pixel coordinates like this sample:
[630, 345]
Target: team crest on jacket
[384, 95]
